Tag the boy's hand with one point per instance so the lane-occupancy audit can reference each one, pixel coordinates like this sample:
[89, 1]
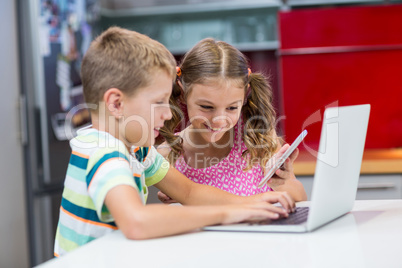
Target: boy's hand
[165, 198]
[285, 172]
[274, 197]
[252, 212]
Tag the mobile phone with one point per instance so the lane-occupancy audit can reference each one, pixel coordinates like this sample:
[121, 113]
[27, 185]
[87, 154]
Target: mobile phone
[282, 159]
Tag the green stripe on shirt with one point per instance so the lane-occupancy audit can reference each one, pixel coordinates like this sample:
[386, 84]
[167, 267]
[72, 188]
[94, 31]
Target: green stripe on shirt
[78, 199]
[157, 171]
[79, 238]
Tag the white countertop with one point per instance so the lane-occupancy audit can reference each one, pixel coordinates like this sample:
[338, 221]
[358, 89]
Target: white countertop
[369, 236]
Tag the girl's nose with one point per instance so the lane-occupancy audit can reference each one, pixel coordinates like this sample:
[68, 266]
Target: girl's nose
[219, 121]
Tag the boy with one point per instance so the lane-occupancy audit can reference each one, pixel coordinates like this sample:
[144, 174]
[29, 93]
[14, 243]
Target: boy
[129, 77]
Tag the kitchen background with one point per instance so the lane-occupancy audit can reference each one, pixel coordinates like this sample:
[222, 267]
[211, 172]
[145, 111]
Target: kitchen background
[344, 51]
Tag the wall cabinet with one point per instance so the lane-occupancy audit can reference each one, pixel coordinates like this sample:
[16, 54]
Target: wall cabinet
[248, 26]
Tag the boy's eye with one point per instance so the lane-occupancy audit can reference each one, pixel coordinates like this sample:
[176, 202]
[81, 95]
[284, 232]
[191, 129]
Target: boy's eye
[206, 107]
[162, 102]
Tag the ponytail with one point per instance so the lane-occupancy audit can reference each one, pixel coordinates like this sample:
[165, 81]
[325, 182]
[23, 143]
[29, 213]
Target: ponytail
[259, 117]
[176, 124]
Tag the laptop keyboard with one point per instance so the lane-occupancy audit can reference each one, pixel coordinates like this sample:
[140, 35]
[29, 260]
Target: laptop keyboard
[297, 217]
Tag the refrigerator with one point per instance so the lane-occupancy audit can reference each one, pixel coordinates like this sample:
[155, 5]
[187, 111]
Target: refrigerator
[53, 37]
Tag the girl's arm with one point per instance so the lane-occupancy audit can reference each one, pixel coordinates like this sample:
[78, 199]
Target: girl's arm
[138, 221]
[163, 149]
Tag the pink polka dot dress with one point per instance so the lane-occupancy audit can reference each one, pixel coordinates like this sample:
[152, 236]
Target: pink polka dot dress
[228, 175]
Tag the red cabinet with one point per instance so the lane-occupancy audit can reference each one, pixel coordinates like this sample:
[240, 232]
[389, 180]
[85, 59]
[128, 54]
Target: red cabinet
[342, 56]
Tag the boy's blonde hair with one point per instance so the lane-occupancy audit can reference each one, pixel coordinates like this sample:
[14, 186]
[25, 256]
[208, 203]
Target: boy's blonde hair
[123, 59]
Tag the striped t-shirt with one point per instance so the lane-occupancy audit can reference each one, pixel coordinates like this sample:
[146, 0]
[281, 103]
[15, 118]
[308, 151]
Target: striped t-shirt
[98, 163]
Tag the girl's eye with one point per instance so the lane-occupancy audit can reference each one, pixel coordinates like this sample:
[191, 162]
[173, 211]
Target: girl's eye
[232, 108]
[206, 107]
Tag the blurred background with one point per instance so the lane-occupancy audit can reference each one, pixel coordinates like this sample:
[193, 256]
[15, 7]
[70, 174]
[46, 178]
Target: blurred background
[316, 53]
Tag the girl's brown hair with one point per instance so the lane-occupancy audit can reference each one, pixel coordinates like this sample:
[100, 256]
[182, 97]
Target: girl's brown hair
[208, 61]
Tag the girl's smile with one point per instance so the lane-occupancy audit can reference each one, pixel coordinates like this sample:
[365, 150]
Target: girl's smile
[214, 109]
[212, 129]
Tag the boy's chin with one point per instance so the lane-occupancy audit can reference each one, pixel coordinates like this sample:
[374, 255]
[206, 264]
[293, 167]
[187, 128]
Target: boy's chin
[149, 143]
[145, 144]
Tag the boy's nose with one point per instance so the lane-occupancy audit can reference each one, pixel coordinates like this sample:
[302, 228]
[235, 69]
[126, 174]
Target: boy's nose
[167, 114]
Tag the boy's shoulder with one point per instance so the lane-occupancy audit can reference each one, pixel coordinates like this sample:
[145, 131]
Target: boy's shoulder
[92, 142]
[147, 157]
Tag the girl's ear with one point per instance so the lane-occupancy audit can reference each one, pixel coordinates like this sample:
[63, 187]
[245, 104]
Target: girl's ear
[113, 99]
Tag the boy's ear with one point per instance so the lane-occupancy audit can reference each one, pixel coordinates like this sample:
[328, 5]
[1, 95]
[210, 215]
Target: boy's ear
[113, 99]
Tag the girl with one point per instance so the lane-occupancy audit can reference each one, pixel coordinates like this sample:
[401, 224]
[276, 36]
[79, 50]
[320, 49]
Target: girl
[229, 124]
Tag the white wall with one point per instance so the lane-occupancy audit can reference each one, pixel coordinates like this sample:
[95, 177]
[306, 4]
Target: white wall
[13, 227]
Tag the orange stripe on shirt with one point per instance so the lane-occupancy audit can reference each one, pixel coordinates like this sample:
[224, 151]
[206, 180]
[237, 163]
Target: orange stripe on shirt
[149, 149]
[87, 221]
[80, 154]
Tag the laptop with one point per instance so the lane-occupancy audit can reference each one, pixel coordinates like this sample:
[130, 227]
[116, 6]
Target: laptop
[337, 172]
